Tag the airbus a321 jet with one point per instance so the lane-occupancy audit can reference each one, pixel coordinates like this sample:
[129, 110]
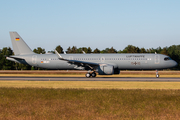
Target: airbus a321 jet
[103, 64]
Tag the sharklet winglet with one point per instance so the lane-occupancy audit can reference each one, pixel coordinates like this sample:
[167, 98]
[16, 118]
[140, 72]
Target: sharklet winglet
[58, 54]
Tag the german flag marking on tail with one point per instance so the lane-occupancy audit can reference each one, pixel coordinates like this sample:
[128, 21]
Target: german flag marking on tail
[17, 39]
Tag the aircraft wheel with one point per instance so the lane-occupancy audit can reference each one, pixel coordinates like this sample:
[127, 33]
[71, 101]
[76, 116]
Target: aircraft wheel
[88, 75]
[93, 74]
[157, 76]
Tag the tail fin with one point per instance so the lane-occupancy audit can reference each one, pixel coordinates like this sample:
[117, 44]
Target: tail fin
[19, 46]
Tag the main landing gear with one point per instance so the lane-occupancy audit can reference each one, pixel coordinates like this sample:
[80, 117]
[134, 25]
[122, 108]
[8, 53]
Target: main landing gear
[157, 74]
[93, 74]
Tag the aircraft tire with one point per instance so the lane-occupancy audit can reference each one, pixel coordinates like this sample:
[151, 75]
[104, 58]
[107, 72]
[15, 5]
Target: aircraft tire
[157, 76]
[93, 74]
[88, 75]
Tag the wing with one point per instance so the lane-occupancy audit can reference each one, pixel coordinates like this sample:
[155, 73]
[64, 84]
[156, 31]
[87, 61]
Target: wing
[89, 65]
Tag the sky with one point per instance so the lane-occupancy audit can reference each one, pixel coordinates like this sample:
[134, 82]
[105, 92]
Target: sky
[91, 23]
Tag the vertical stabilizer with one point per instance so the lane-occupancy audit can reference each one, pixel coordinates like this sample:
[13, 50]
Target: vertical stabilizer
[19, 46]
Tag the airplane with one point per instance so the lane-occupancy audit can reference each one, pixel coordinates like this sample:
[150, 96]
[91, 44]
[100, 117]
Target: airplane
[103, 64]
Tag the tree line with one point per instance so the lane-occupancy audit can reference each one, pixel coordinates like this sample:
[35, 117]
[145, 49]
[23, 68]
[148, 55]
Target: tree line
[172, 51]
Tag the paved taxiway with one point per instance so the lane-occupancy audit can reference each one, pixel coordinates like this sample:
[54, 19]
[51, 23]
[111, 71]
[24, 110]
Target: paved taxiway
[91, 79]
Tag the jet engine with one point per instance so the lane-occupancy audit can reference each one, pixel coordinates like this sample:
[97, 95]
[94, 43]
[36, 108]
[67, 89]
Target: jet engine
[107, 70]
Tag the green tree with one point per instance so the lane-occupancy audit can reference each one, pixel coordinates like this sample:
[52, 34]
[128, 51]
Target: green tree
[105, 51]
[83, 49]
[131, 49]
[79, 50]
[164, 51]
[39, 50]
[69, 50]
[89, 50]
[174, 53]
[23, 67]
[6, 64]
[112, 50]
[152, 50]
[143, 50]
[96, 51]
[59, 49]
[74, 49]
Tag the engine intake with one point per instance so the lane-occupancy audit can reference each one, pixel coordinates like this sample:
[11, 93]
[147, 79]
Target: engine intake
[106, 70]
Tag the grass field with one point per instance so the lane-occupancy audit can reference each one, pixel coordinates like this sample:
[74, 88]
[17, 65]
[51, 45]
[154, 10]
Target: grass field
[102, 100]
[92, 104]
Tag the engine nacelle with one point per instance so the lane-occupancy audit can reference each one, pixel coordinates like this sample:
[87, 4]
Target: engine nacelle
[106, 70]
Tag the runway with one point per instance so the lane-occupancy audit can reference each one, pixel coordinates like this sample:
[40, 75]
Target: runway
[135, 79]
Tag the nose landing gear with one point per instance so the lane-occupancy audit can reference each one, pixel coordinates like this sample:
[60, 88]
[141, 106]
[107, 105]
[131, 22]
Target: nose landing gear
[157, 74]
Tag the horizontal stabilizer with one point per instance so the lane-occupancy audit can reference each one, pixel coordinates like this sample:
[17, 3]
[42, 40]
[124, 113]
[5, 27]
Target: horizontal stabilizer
[16, 58]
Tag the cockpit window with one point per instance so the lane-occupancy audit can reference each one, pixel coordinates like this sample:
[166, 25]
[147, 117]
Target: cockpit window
[167, 58]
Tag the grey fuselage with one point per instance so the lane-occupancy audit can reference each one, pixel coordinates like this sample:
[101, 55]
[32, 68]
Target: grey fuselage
[104, 64]
[119, 61]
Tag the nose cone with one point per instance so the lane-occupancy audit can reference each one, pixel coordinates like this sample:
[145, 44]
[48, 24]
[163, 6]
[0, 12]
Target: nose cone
[174, 63]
